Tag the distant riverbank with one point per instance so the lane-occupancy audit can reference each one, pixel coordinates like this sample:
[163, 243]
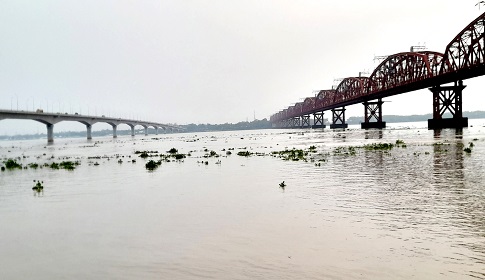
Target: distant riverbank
[256, 124]
[416, 118]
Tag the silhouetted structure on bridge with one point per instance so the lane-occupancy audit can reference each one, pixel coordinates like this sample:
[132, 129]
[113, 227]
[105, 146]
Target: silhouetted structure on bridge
[464, 58]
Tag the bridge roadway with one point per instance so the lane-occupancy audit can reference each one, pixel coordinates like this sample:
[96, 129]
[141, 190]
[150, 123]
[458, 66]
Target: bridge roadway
[464, 58]
[50, 119]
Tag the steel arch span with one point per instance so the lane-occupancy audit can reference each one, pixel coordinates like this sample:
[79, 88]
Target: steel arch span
[403, 72]
[404, 68]
[309, 105]
[350, 88]
[324, 99]
[467, 49]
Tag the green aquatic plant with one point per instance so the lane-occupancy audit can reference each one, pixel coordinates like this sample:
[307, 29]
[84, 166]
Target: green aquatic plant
[293, 154]
[179, 156]
[172, 151]
[12, 164]
[467, 150]
[152, 165]
[400, 143]
[282, 184]
[38, 186]
[244, 153]
[69, 165]
[351, 150]
[34, 165]
[145, 154]
[379, 146]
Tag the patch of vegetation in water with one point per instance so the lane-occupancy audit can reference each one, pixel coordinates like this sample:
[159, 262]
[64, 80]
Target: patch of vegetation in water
[400, 143]
[346, 151]
[244, 153]
[69, 165]
[379, 146]
[211, 154]
[172, 151]
[468, 149]
[38, 187]
[176, 156]
[179, 156]
[152, 165]
[293, 154]
[12, 164]
[34, 165]
[145, 154]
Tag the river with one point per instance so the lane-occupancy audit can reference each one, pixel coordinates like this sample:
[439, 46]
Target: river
[349, 209]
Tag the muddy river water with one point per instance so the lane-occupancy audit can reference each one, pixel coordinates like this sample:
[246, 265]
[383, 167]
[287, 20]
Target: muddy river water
[352, 206]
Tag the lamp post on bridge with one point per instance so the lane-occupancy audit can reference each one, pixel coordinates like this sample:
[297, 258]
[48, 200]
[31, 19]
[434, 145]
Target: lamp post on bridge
[27, 104]
[11, 98]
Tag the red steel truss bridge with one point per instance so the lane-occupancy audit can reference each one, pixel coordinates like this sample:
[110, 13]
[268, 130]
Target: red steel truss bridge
[464, 58]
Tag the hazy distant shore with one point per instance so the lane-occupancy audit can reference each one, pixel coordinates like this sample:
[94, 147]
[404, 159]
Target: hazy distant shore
[256, 124]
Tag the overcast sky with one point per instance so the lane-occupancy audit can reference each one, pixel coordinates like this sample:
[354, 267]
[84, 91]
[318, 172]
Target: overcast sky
[208, 61]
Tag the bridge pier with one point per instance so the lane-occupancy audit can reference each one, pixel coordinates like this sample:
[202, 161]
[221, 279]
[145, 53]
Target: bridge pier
[373, 110]
[88, 131]
[318, 121]
[305, 121]
[50, 133]
[338, 118]
[286, 123]
[447, 99]
[156, 130]
[295, 122]
[132, 130]
[146, 130]
[114, 130]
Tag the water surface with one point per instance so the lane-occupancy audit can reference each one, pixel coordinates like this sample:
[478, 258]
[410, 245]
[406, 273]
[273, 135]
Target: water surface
[414, 212]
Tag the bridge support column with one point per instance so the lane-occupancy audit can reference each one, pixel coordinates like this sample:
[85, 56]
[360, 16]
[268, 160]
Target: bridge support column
[447, 99]
[318, 121]
[286, 123]
[373, 110]
[305, 121]
[50, 133]
[133, 131]
[114, 131]
[156, 130]
[88, 131]
[338, 118]
[146, 131]
[295, 122]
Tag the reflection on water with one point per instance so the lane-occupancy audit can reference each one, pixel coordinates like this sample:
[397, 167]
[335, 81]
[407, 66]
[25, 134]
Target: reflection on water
[413, 212]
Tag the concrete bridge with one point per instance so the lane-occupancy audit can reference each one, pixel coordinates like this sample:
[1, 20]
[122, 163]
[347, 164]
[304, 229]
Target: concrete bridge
[50, 119]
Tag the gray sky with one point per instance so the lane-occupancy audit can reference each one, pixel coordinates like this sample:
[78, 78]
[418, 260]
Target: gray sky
[211, 61]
